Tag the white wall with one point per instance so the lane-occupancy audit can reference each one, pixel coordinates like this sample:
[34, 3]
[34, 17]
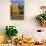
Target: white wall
[27, 26]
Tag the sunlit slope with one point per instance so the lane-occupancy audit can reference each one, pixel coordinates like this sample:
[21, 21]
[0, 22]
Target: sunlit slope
[14, 8]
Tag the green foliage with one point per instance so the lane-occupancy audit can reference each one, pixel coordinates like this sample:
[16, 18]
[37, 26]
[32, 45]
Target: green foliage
[11, 31]
[41, 17]
[45, 17]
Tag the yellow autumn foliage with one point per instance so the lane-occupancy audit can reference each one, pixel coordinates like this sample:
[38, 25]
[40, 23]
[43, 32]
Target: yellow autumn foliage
[14, 8]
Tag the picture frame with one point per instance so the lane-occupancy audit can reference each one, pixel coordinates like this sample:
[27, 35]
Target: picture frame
[17, 10]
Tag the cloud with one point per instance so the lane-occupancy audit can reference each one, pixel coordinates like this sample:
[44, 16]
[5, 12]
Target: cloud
[18, 1]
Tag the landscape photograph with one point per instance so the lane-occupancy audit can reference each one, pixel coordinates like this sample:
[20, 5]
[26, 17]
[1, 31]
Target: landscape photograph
[17, 10]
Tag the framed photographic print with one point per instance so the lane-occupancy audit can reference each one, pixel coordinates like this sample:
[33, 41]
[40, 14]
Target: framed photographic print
[17, 10]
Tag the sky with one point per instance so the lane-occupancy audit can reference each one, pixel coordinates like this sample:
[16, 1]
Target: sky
[18, 1]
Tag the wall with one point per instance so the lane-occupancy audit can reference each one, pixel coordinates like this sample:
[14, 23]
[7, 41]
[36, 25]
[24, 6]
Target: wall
[27, 26]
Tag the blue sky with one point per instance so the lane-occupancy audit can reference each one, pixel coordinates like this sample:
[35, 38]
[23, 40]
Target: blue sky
[18, 1]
